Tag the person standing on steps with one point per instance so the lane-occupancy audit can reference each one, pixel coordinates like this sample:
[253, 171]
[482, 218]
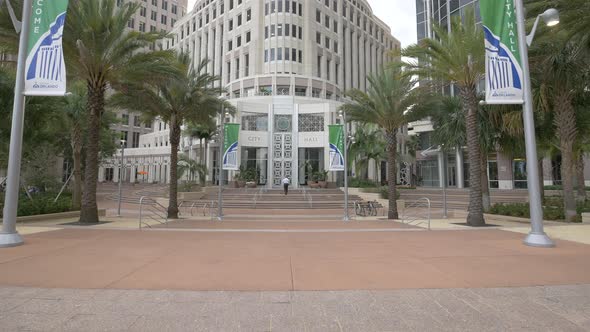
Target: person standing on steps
[286, 185]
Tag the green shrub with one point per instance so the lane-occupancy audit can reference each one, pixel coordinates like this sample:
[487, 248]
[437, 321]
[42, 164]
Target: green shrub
[558, 187]
[384, 191]
[41, 204]
[362, 183]
[521, 210]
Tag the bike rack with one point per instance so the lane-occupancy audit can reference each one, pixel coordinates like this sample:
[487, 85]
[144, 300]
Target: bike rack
[419, 216]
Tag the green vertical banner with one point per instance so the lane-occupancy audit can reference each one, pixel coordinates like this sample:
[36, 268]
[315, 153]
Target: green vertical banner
[45, 72]
[504, 76]
[336, 147]
[231, 135]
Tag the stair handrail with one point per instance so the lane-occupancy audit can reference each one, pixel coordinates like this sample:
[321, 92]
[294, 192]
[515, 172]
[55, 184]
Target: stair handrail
[159, 212]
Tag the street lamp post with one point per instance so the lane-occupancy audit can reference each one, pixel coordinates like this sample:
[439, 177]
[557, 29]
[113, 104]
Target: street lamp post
[121, 169]
[220, 175]
[9, 237]
[537, 236]
[346, 214]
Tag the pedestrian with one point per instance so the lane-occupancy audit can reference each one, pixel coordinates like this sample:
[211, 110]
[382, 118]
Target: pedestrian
[286, 185]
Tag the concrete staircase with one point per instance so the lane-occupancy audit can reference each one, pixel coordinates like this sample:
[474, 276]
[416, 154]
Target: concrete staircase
[458, 199]
[321, 199]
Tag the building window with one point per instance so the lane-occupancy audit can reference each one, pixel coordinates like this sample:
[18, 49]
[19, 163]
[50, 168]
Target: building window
[311, 122]
[135, 142]
[136, 121]
[125, 119]
[248, 15]
[248, 37]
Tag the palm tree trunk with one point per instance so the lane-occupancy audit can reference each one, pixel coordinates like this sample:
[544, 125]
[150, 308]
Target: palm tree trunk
[485, 184]
[475, 209]
[201, 150]
[174, 142]
[541, 182]
[77, 156]
[581, 182]
[96, 101]
[391, 137]
[565, 122]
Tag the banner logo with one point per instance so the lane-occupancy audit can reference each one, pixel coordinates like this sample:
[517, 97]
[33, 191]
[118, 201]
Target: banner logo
[231, 134]
[503, 70]
[336, 147]
[45, 67]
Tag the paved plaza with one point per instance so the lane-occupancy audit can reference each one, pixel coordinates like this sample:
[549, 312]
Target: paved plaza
[287, 270]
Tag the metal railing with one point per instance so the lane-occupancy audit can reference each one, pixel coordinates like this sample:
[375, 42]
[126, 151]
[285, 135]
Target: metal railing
[416, 212]
[157, 212]
[307, 196]
[257, 195]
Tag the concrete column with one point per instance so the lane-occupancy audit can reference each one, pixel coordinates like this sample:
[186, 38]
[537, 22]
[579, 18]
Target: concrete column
[347, 60]
[116, 173]
[210, 47]
[362, 63]
[132, 172]
[101, 174]
[505, 175]
[368, 60]
[548, 172]
[459, 165]
[355, 61]
[218, 58]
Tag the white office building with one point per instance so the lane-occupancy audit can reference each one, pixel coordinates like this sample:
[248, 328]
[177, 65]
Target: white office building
[285, 65]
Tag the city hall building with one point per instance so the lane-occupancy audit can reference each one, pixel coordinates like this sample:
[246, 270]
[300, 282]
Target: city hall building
[286, 65]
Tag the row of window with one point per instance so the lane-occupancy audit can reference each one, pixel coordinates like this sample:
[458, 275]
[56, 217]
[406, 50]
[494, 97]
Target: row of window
[276, 6]
[378, 33]
[136, 121]
[279, 54]
[318, 39]
[283, 30]
[208, 2]
[238, 19]
[230, 44]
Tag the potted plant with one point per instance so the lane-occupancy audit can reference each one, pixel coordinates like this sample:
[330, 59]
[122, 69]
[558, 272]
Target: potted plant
[314, 180]
[322, 179]
[251, 177]
[239, 178]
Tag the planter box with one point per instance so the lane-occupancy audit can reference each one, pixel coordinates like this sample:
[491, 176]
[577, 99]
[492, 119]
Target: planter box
[56, 216]
[586, 218]
[192, 196]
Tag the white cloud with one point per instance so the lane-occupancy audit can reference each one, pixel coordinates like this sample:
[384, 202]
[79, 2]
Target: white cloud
[400, 15]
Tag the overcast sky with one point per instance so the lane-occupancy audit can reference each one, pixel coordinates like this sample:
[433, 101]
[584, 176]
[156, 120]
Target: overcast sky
[400, 15]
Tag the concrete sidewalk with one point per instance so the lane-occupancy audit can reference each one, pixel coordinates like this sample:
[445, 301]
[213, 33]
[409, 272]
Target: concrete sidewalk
[558, 308]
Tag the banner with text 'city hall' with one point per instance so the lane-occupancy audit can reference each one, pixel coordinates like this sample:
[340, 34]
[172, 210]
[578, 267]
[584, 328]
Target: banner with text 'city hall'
[45, 73]
[336, 147]
[231, 134]
[504, 77]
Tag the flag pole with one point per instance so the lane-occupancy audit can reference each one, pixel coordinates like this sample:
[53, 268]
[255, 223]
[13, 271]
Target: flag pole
[9, 237]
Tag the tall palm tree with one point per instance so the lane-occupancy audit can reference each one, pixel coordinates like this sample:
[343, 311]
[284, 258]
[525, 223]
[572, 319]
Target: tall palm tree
[100, 50]
[457, 57]
[558, 67]
[368, 145]
[388, 103]
[75, 111]
[191, 97]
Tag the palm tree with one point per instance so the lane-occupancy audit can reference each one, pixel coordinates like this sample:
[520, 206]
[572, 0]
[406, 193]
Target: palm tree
[101, 51]
[75, 111]
[192, 167]
[388, 103]
[457, 57]
[558, 67]
[368, 145]
[191, 97]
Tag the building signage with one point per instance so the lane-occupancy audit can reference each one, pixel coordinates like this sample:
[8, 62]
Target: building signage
[231, 134]
[336, 147]
[45, 73]
[504, 77]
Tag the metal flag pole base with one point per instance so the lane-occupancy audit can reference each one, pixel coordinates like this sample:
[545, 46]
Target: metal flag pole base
[10, 240]
[538, 240]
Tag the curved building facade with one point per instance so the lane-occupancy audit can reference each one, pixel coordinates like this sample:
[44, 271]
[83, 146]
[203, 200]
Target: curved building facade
[285, 65]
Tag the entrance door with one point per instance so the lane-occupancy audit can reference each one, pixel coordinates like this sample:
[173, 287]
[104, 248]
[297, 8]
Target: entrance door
[282, 157]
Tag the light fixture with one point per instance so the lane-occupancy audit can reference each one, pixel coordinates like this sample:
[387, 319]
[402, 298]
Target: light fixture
[550, 17]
